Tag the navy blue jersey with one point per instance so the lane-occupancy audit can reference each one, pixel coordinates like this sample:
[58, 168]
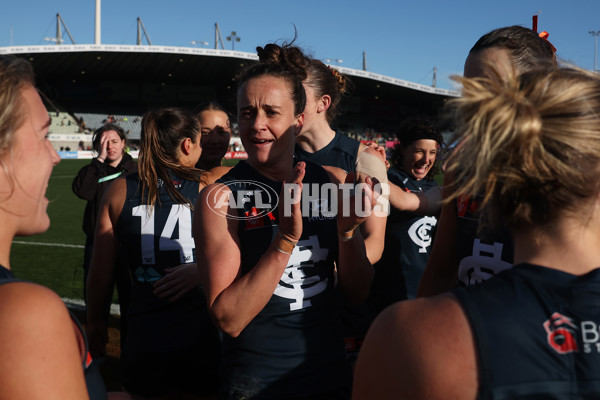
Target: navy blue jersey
[152, 242]
[341, 152]
[165, 340]
[480, 254]
[155, 238]
[292, 347]
[408, 239]
[536, 333]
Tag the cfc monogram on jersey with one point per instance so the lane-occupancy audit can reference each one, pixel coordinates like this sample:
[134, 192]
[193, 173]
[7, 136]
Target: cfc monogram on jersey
[301, 280]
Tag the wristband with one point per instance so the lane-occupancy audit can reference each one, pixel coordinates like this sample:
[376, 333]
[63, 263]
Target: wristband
[284, 245]
[346, 236]
[100, 159]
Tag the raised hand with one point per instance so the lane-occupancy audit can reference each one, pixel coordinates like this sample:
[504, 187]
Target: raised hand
[355, 203]
[290, 214]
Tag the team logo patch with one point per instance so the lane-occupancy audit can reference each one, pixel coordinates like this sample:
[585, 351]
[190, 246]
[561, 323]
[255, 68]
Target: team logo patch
[419, 232]
[561, 334]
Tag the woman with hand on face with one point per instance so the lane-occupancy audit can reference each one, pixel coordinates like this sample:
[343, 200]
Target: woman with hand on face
[216, 132]
[531, 148]
[44, 351]
[171, 347]
[93, 179]
[267, 260]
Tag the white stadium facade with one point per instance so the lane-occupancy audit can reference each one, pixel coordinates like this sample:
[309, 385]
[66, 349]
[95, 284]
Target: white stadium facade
[96, 82]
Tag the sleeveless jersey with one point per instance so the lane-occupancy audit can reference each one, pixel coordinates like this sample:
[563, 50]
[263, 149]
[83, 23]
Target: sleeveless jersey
[480, 255]
[93, 379]
[292, 348]
[341, 152]
[536, 333]
[408, 239]
[153, 241]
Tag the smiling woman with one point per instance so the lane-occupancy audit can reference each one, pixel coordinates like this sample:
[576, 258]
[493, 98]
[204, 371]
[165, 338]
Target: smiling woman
[26, 160]
[409, 236]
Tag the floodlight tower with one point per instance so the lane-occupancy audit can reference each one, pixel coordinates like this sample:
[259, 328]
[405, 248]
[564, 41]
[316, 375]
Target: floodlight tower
[97, 29]
[233, 38]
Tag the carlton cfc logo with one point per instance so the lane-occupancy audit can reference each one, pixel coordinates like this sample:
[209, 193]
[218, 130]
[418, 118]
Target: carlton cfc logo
[560, 332]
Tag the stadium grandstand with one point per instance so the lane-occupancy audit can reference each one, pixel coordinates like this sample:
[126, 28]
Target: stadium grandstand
[86, 85]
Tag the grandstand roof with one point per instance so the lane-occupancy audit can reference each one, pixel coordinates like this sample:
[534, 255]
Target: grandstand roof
[130, 79]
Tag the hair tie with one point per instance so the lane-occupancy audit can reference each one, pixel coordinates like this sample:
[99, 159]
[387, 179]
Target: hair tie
[544, 35]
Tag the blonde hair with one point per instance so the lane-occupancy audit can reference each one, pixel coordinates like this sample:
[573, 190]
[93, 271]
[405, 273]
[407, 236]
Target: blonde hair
[15, 74]
[529, 144]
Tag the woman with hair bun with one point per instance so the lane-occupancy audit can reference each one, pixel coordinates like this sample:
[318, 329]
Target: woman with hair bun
[321, 144]
[267, 256]
[531, 148]
[171, 348]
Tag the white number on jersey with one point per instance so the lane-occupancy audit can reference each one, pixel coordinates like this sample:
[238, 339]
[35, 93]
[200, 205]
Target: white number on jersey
[180, 216]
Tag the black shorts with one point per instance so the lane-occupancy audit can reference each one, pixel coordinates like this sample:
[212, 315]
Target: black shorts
[192, 371]
[171, 353]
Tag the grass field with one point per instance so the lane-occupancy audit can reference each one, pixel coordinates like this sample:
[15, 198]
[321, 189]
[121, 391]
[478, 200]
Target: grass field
[54, 258]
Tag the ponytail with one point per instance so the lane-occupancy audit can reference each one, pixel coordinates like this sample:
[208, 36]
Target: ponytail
[530, 145]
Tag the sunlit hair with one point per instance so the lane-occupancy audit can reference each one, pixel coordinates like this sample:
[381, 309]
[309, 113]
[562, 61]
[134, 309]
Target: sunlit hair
[321, 78]
[97, 137]
[411, 129]
[329, 81]
[163, 131]
[526, 48]
[284, 63]
[530, 145]
[15, 75]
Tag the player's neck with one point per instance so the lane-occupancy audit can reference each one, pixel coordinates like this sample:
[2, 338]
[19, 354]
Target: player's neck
[315, 138]
[569, 246]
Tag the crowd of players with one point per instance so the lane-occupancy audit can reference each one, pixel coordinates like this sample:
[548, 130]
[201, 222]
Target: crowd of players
[227, 294]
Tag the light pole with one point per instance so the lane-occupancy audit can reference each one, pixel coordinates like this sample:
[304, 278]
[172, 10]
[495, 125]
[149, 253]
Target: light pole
[595, 35]
[233, 38]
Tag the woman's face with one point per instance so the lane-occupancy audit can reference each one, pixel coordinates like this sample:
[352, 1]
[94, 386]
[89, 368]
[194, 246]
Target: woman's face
[115, 146]
[30, 161]
[216, 132]
[418, 157]
[267, 120]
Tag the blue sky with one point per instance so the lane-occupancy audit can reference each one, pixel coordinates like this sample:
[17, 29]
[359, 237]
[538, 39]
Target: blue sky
[402, 39]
